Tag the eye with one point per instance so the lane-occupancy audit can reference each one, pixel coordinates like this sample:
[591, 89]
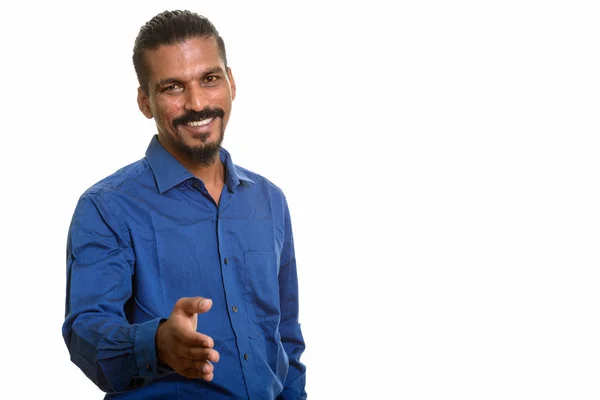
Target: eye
[210, 80]
[172, 88]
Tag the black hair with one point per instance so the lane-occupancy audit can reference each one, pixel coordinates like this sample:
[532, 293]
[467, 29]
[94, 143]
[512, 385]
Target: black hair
[170, 27]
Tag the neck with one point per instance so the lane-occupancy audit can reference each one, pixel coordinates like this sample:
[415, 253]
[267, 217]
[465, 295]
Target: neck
[212, 175]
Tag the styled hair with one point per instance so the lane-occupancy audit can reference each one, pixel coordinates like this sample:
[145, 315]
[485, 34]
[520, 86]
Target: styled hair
[171, 27]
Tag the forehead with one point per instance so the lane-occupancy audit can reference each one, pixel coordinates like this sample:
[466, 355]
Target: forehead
[183, 59]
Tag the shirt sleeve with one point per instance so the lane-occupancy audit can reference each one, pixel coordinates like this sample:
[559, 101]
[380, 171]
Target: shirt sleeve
[291, 334]
[114, 353]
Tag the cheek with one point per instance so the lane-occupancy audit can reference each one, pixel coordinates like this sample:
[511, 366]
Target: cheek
[167, 111]
[222, 99]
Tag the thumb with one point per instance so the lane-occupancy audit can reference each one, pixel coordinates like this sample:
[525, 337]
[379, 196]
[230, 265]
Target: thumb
[193, 305]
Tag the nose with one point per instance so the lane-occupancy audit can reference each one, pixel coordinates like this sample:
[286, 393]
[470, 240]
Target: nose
[196, 99]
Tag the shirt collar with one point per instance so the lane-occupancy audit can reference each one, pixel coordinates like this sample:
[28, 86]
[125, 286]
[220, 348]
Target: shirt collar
[169, 172]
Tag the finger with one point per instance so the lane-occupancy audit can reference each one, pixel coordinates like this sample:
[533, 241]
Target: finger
[194, 339]
[192, 305]
[201, 353]
[193, 373]
[203, 367]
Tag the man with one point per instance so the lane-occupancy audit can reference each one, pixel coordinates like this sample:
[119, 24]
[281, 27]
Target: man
[181, 274]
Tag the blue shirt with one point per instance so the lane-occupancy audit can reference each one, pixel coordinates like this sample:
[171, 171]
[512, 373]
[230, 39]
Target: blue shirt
[150, 234]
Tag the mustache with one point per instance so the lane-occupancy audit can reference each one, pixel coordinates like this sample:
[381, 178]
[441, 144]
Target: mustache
[199, 115]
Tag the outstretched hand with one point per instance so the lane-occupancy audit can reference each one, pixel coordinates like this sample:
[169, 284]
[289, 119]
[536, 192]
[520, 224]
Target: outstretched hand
[180, 346]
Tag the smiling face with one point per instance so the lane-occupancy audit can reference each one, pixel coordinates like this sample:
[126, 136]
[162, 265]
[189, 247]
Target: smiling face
[190, 92]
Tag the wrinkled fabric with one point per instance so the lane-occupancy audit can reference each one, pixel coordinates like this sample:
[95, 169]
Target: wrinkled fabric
[150, 234]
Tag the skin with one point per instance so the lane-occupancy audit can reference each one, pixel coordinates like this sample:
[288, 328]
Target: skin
[188, 77]
[180, 346]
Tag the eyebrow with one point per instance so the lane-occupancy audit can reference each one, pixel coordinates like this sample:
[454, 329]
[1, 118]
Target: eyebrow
[170, 81]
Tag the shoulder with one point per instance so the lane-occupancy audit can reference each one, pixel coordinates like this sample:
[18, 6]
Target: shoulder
[121, 181]
[259, 181]
[102, 203]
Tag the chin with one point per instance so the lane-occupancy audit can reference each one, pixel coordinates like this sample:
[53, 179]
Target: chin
[204, 138]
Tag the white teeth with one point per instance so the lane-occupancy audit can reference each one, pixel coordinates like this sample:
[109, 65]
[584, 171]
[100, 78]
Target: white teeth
[200, 123]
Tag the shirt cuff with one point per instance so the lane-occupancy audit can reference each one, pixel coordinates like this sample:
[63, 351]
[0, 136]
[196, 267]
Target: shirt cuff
[144, 348]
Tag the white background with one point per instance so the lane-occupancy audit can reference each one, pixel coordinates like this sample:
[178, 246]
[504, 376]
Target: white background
[441, 161]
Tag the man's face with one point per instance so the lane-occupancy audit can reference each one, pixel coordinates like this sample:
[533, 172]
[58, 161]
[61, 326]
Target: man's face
[189, 96]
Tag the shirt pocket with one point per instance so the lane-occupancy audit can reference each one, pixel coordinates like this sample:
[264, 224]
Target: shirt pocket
[262, 285]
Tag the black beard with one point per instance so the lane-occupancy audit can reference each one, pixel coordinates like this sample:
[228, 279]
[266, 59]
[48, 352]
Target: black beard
[207, 154]
[204, 155]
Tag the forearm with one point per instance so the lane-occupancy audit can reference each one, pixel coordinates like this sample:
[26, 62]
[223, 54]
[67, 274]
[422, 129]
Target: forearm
[115, 355]
[293, 343]
[291, 334]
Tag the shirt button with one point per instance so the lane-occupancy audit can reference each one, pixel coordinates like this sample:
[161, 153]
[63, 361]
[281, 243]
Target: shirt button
[234, 308]
[148, 367]
[226, 261]
[246, 356]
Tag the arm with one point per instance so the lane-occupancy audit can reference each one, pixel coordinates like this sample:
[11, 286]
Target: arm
[291, 335]
[115, 354]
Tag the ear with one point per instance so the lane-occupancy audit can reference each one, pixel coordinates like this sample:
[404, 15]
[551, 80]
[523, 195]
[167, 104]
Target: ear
[231, 83]
[144, 103]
